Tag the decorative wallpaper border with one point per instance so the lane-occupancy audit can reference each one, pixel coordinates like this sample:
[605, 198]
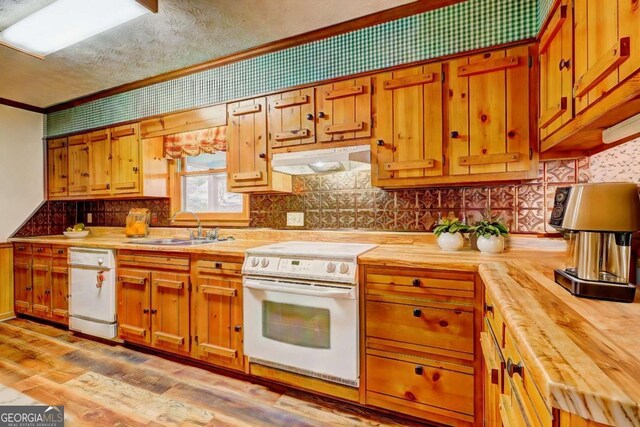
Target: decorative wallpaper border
[465, 26]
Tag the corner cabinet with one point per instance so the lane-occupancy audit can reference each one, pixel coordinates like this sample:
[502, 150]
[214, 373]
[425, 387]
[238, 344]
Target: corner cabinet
[468, 120]
[248, 165]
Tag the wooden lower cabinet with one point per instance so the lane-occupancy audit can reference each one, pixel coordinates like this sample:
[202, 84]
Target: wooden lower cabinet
[419, 343]
[217, 311]
[170, 311]
[41, 282]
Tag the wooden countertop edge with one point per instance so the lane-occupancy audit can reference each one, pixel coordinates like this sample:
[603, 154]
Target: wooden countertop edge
[608, 404]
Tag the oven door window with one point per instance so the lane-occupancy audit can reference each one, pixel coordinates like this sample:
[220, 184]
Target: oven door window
[296, 324]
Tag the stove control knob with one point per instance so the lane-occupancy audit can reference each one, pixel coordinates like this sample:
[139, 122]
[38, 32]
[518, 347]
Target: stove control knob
[264, 263]
[331, 267]
[254, 261]
[344, 268]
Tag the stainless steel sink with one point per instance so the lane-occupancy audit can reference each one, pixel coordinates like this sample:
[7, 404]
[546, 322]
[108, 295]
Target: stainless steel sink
[172, 242]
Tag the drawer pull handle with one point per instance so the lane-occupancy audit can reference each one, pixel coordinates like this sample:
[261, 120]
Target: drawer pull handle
[145, 311]
[218, 265]
[60, 251]
[513, 368]
[417, 312]
[237, 328]
[488, 308]
[416, 282]
[154, 311]
[418, 370]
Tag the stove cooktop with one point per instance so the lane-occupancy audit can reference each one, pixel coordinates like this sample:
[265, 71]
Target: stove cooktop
[324, 250]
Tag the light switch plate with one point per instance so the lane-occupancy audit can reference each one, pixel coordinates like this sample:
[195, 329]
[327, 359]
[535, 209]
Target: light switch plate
[295, 219]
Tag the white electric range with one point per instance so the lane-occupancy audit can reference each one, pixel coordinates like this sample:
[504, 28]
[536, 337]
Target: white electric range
[301, 308]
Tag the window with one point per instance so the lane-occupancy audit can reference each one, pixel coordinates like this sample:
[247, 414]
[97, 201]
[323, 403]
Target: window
[200, 186]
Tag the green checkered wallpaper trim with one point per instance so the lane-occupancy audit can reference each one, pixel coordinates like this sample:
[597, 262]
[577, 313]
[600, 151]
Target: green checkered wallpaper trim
[461, 27]
[544, 8]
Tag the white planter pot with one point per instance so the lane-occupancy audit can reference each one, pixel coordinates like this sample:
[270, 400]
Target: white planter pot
[491, 245]
[450, 241]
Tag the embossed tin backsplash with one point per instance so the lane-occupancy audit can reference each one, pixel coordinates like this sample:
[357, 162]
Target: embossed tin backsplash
[347, 201]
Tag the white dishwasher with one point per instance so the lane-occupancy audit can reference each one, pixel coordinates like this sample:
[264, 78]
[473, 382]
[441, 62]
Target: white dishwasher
[92, 309]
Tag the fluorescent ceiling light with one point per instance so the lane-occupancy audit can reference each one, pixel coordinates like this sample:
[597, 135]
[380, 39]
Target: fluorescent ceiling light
[623, 130]
[66, 22]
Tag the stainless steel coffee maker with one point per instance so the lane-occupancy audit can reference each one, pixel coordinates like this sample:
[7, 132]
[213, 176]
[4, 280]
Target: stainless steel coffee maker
[598, 220]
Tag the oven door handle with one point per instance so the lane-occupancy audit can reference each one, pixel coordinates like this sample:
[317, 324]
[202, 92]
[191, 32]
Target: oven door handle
[302, 290]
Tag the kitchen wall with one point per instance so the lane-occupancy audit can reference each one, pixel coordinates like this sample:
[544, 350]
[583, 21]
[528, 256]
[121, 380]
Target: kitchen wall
[21, 167]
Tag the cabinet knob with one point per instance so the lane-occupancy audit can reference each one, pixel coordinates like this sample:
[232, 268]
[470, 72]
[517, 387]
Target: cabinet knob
[145, 311]
[418, 370]
[135, 169]
[60, 251]
[39, 250]
[108, 186]
[321, 115]
[154, 311]
[63, 176]
[416, 282]
[262, 155]
[380, 143]
[454, 134]
[218, 265]
[237, 328]
[564, 63]
[309, 116]
[513, 368]
[417, 312]
[488, 308]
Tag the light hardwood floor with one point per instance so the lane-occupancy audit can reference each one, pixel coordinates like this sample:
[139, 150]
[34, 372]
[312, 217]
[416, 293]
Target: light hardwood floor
[105, 385]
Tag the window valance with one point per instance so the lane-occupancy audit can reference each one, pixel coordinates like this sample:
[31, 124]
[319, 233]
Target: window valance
[195, 142]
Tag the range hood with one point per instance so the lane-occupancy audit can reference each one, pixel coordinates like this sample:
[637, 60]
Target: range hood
[323, 161]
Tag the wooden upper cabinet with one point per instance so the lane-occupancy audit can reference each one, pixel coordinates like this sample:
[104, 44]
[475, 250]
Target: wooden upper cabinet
[291, 118]
[343, 110]
[408, 146]
[489, 109]
[100, 162]
[78, 165]
[556, 70]
[125, 159]
[202, 118]
[604, 33]
[57, 169]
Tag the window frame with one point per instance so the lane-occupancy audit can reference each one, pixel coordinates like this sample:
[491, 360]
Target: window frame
[215, 219]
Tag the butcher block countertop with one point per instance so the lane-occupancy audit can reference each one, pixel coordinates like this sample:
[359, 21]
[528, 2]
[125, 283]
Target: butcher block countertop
[584, 354]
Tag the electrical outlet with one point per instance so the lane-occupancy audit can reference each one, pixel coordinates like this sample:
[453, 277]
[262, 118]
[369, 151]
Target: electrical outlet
[295, 219]
[89, 218]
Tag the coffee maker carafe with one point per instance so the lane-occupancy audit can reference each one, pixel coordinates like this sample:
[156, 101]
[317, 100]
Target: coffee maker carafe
[598, 221]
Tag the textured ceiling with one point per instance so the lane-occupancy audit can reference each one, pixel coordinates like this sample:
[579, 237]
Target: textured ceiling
[183, 33]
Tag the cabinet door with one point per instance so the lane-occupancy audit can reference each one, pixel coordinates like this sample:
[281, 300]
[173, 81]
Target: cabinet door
[599, 49]
[22, 285]
[489, 113]
[629, 26]
[134, 305]
[247, 151]
[556, 62]
[291, 118]
[57, 172]
[218, 321]
[125, 162]
[170, 311]
[343, 110]
[409, 123]
[41, 277]
[78, 165]
[60, 290]
[100, 163]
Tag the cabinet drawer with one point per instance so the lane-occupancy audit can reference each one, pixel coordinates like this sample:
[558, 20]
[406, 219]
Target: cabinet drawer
[22, 248]
[425, 385]
[445, 286]
[494, 319]
[218, 266]
[422, 325]
[160, 261]
[42, 250]
[524, 389]
[59, 251]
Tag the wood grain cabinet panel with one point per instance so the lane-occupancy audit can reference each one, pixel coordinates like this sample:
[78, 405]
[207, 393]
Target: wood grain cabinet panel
[57, 168]
[409, 126]
[78, 165]
[489, 110]
[556, 70]
[170, 317]
[100, 163]
[41, 282]
[291, 118]
[22, 284]
[59, 287]
[134, 305]
[125, 162]
[343, 110]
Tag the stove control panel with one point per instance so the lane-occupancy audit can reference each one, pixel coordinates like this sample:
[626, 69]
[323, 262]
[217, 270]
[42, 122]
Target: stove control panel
[315, 269]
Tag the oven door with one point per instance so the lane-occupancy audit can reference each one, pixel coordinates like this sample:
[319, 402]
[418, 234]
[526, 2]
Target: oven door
[308, 328]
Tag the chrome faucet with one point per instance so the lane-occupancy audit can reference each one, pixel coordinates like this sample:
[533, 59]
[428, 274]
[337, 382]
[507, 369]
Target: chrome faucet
[198, 232]
[213, 234]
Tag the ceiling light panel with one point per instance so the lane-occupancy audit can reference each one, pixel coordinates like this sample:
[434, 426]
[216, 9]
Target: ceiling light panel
[66, 22]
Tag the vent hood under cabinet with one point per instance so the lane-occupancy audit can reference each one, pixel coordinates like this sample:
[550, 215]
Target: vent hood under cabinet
[323, 161]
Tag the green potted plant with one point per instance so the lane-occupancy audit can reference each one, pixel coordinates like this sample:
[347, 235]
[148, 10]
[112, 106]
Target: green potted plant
[449, 233]
[490, 233]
